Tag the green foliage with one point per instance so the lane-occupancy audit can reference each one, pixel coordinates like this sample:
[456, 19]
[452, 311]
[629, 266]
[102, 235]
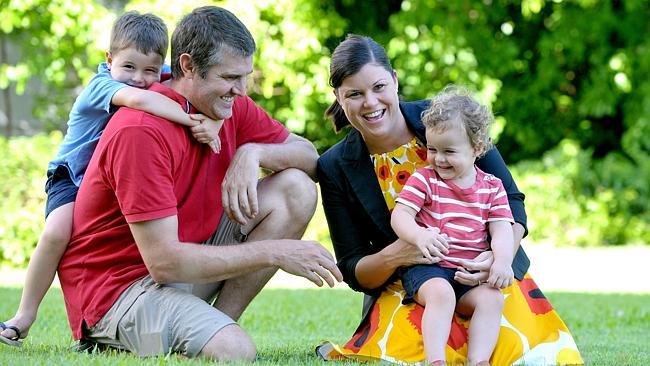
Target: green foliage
[553, 70]
[293, 65]
[22, 182]
[573, 199]
[56, 42]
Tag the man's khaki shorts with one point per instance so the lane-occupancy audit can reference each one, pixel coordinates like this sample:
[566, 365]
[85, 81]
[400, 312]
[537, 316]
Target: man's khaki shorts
[152, 319]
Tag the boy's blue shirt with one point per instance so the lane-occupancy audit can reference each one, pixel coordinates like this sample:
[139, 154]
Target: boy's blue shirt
[89, 115]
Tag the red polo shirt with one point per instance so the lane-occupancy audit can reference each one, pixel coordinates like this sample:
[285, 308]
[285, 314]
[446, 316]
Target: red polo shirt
[146, 168]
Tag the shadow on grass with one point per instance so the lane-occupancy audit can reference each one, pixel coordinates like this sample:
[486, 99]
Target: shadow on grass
[288, 324]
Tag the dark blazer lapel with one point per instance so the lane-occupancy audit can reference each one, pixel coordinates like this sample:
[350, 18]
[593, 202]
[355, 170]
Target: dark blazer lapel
[360, 173]
[412, 112]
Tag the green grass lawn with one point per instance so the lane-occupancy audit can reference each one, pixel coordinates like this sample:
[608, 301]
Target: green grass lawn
[610, 329]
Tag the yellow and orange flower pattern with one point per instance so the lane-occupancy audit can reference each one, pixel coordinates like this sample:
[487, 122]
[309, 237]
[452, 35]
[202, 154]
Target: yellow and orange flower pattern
[394, 168]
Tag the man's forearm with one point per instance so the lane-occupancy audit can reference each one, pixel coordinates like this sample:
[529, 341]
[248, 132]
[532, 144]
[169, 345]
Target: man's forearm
[296, 152]
[208, 264]
[169, 260]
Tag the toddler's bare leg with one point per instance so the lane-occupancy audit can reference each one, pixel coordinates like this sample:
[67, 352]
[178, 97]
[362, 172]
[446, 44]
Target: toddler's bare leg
[485, 304]
[438, 298]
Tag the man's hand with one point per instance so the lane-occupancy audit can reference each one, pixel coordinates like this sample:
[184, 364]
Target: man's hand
[239, 187]
[207, 131]
[307, 259]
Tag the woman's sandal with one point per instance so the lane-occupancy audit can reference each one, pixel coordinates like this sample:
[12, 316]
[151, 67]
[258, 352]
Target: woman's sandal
[13, 341]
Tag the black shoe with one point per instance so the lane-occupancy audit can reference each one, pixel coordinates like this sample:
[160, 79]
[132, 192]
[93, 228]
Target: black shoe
[88, 346]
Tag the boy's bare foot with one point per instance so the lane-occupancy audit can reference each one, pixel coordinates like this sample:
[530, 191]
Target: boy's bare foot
[15, 329]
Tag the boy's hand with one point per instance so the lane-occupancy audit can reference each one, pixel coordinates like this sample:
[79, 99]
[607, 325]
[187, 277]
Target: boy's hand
[432, 244]
[501, 275]
[207, 131]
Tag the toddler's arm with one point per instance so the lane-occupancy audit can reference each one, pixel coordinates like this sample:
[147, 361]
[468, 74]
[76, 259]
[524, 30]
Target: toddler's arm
[162, 106]
[430, 242]
[501, 275]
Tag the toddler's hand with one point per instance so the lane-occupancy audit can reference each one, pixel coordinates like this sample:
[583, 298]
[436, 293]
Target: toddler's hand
[501, 275]
[432, 244]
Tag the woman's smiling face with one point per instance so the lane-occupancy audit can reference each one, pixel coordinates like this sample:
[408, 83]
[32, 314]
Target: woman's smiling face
[369, 100]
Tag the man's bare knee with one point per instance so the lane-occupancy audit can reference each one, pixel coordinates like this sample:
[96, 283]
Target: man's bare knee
[229, 344]
[287, 204]
[299, 192]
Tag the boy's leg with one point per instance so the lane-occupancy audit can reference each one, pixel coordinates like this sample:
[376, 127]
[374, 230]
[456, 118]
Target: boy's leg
[42, 267]
[485, 305]
[287, 201]
[438, 298]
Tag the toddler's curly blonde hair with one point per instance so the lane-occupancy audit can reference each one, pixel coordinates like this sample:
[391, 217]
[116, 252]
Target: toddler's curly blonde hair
[455, 106]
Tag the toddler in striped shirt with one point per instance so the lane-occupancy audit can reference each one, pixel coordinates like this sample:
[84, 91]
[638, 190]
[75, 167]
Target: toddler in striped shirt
[448, 209]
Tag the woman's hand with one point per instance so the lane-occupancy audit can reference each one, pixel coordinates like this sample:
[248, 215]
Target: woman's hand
[474, 271]
[403, 254]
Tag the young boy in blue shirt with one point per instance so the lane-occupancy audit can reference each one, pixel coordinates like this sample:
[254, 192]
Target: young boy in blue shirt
[135, 60]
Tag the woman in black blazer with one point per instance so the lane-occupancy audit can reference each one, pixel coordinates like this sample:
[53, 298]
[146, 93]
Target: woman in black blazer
[356, 201]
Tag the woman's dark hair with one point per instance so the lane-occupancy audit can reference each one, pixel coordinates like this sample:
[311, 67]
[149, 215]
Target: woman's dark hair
[348, 58]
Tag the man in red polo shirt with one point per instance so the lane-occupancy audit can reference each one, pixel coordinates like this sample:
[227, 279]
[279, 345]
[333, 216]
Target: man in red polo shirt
[134, 275]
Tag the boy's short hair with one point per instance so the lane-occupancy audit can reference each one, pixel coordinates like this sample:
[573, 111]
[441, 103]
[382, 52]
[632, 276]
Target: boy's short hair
[205, 34]
[455, 106]
[146, 32]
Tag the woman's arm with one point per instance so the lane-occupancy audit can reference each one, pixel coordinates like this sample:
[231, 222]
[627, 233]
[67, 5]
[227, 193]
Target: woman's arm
[364, 268]
[372, 271]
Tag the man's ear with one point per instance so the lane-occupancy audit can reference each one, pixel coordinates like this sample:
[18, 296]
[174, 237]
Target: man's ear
[187, 65]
